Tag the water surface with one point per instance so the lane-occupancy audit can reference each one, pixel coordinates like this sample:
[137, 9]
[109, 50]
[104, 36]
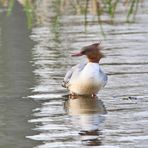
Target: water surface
[34, 112]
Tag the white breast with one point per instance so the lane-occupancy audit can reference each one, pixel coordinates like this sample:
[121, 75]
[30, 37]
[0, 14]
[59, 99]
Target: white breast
[89, 80]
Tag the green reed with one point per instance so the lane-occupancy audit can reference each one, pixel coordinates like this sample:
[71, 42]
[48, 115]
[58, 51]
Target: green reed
[28, 8]
[132, 10]
[10, 7]
[55, 22]
[84, 7]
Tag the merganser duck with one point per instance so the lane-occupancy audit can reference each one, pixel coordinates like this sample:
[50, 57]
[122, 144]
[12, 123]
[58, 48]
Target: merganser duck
[86, 78]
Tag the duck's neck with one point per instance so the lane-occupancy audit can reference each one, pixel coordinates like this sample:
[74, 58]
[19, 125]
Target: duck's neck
[94, 60]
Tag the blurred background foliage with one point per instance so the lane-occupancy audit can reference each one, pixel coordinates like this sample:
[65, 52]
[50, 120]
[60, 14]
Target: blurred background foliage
[98, 8]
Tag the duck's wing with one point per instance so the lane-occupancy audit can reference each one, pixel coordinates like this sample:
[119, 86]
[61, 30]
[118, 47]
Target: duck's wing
[70, 73]
[104, 77]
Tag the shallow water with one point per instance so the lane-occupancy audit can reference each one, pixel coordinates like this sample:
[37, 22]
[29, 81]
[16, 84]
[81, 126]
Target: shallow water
[34, 109]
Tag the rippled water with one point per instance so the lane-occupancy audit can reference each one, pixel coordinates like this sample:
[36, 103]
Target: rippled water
[42, 114]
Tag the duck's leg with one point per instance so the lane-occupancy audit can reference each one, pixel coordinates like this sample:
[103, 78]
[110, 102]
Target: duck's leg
[73, 95]
[94, 95]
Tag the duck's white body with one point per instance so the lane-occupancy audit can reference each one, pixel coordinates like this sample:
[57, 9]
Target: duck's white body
[86, 78]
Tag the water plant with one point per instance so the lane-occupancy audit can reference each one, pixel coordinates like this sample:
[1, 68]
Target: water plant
[84, 7]
[27, 7]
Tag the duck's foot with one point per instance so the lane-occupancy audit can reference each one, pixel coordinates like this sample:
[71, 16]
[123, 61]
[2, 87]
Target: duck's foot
[73, 95]
[93, 95]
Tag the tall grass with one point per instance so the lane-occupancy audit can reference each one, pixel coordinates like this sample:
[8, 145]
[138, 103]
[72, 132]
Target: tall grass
[55, 22]
[132, 10]
[85, 7]
[10, 7]
[28, 8]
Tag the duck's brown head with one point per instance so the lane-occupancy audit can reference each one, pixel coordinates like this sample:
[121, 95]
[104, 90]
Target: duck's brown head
[92, 52]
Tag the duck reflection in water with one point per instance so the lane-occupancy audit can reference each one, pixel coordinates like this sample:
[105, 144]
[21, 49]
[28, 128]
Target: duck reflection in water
[87, 113]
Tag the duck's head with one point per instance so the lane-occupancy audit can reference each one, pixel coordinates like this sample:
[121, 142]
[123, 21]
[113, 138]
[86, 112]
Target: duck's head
[92, 52]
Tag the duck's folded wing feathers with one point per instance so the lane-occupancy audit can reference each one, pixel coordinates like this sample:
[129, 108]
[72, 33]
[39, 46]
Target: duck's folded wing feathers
[69, 74]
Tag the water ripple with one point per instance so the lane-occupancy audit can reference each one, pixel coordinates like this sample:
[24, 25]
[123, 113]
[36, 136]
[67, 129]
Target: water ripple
[121, 120]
